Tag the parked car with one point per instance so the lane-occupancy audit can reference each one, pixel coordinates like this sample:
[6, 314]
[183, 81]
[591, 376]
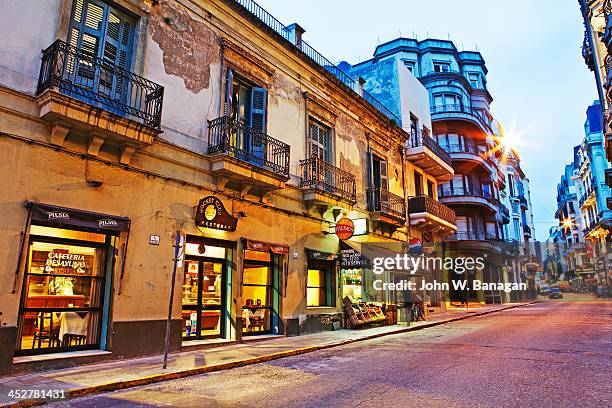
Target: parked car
[555, 293]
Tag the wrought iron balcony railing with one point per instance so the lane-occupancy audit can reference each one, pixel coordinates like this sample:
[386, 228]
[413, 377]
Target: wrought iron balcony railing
[419, 138]
[471, 236]
[240, 141]
[426, 204]
[527, 230]
[381, 200]
[460, 108]
[81, 75]
[319, 175]
[467, 192]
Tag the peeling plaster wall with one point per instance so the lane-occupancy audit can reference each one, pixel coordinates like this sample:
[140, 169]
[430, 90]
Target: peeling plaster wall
[182, 54]
[24, 32]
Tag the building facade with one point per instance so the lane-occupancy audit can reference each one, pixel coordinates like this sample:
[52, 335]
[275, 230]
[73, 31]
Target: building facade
[212, 125]
[597, 53]
[462, 126]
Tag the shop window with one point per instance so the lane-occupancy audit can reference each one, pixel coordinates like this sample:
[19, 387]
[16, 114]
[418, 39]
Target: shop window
[319, 288]
[63, 292]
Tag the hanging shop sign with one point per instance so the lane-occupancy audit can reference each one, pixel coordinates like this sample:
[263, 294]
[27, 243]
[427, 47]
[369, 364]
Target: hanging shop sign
[320, 255]
[350, 258]
[211, 213]
[345, 228]
[261, 246]
[360, 227]
[68, 217]
[415, 246]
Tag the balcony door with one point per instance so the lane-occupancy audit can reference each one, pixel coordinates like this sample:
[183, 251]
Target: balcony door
[248, 109]
[100, 41]
[380, 181]
[321, 149]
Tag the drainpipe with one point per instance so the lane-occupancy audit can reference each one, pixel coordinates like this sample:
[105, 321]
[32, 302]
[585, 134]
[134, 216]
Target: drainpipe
[406, 195]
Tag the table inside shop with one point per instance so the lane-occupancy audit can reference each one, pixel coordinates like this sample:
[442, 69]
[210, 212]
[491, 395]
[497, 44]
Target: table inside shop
[47, 301]
[253, 316]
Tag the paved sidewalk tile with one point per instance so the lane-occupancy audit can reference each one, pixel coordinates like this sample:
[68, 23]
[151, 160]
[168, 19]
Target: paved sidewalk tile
[86, 379]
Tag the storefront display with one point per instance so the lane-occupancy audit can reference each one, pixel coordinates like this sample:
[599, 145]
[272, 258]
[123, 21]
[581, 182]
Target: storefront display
[260, 286]
[204, 281]
[67, 280]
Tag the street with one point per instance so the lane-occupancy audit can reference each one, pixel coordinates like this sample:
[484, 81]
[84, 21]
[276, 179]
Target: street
[551, 354]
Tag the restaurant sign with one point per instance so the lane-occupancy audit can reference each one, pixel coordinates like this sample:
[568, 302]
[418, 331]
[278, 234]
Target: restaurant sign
[211, 213]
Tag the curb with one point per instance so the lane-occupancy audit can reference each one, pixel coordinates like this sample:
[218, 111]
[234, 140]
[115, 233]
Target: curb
[151, 379]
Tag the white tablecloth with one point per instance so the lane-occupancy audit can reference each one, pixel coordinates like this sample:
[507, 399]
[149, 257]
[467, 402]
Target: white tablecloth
[72, 323]
[248, 313]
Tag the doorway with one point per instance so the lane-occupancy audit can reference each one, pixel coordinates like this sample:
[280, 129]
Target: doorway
[203, 297]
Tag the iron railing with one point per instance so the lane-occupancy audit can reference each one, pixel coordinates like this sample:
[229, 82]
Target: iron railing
[426, 204]
[467, 192]
[419, 138]
[471, 236]
[319, 175]
[527, 230]
[236, 139]
[265, 17]
[381, 200]
[460, 108]
[81, 75]
[522, 201]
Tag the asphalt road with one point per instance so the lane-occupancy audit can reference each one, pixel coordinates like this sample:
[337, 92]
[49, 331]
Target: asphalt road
[553, 354]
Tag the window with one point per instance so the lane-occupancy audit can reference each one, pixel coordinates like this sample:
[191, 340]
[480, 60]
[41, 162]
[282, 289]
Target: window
[320, 142]
[100, 31]
[491, 229]
[430, 188]
[487, 190]
[319, 288]
[461, 184]
[441, 66]
[465, 225]
[474, 79]
[511, 185]
[448, 101]
[418, 183]
[409, 65]
[516, 226]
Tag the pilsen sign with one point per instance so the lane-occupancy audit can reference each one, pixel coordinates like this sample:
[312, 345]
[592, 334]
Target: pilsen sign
[211, 213]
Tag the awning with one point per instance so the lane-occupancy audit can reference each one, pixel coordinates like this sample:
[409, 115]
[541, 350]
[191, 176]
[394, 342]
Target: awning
[320, 255]
[55, 216]
[262, 246]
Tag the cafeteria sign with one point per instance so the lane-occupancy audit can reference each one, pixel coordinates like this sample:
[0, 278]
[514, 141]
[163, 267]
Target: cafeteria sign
[211, 213]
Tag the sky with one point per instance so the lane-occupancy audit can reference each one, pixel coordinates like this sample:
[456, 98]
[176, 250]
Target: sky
[540, 84]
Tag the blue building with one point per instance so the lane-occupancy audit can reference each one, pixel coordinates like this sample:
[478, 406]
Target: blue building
[593, 191]
[462, 125]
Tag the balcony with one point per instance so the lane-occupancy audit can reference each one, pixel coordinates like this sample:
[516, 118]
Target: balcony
[428, 214]
[460, 111]
[386, 207]
[471, 152]
[243, 157]
[86, 95]
[467, 196]
[523, 201]
[326, 185]
[504, 214]
[609, 177]
[588, 198]
[527, 231]
[426, 153]
[477, 241]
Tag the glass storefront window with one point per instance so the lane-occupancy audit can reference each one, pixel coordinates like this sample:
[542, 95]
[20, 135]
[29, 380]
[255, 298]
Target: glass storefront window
[352, 284]
[62, 298]
[315, 288]
[257, 296]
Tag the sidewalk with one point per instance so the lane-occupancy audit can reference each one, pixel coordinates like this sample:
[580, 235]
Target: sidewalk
[100, 377]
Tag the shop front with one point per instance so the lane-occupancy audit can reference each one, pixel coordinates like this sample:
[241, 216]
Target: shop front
[206, 284]
[69, 260]
[261, 272]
